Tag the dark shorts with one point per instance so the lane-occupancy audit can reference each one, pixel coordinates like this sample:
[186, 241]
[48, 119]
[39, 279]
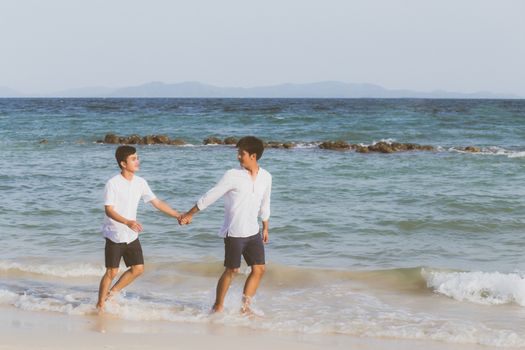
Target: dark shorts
[132, 253]
[251, 248]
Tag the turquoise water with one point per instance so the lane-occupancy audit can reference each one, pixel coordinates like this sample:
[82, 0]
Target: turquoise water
[447, 221]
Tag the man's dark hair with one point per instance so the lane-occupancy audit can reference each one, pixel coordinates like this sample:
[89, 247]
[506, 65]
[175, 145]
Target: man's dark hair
[251, 144]
[123, 152]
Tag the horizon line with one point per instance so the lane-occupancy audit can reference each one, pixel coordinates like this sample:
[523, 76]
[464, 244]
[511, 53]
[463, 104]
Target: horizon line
[106, 92]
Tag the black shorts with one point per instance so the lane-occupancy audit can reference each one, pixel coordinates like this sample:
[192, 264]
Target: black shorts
[132, 253]
[251, 248]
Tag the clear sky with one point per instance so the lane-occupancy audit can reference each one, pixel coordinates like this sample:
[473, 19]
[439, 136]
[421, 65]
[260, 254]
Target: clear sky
[454, 45]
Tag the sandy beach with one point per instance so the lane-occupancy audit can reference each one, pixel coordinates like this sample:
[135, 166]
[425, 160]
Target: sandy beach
[43, 330]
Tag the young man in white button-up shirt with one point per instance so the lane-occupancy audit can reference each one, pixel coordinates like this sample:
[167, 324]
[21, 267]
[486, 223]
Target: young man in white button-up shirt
[121, 228]
[246, 193]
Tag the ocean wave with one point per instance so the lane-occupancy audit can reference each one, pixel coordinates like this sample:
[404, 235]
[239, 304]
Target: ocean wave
[366, 316]
[387, 141]
[295, 299]
[65, 304]
[520, 154]
[491, 151]
[487, 288]
[7, 297]
[342, 311]
[307, 144]
[58, 270]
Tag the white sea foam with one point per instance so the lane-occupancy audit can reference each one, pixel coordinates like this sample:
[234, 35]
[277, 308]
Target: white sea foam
[517, 155]
[387, 141]
[307, 144]
[187, 145]
[7, 297]
[52, 303]
[137, 309]
[488, 288]
[493, 151]
[363, 315]
[64, 271]
[342, 312]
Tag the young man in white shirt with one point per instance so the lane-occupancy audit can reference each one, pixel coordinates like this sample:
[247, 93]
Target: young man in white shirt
[246, 194]
[121, 228]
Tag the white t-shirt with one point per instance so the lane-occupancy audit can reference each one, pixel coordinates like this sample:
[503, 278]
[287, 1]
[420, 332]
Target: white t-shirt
[244, 201]
[124, 196]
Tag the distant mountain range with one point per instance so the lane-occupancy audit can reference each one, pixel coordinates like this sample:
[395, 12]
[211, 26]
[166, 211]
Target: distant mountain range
[326, 89]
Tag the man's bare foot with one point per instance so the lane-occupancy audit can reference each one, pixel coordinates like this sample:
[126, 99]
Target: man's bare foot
[245, 308]
[246, 311]
[100, 308]
[101, 304]
[217, 308]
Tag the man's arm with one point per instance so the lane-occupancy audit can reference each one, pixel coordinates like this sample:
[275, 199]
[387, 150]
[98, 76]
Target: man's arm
[132, 224]
[224, 185]
[264, 211]
[165, 208]
[265, 225]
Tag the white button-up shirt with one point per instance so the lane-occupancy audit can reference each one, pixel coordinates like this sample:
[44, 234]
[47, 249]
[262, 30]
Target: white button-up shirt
[124, 196]
[245, 200]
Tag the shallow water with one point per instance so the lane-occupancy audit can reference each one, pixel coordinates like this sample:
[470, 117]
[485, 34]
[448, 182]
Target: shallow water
[413, 245]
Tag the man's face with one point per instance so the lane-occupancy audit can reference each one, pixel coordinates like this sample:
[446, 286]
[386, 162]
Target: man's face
[132, 163]
[244, 158]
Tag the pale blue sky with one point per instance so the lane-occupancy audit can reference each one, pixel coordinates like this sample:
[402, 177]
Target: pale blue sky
[455, 45]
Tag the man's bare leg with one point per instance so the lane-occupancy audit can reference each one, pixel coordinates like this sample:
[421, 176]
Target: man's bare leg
[105, 283]
[251, 285]
[127, 277]
[222, 288]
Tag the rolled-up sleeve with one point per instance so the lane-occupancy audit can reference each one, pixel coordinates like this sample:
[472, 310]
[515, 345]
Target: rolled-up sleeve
[224, 185]
[264, 212]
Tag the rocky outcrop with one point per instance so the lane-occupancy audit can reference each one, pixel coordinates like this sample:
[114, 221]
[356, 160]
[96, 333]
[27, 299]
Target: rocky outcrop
[231, 141]
[163, 139]
[379, 147]
[275, 144]
[134, 139]
[385, 147]
[335, 145]
[472, 149]
[213, 141]
[362, 149]
[111, 138]
[177, 142]
[138, 140]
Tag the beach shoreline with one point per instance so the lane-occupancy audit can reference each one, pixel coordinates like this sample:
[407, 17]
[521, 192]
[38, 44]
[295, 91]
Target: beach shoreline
[47, 330]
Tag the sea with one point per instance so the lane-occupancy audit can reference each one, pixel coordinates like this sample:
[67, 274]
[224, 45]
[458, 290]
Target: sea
[418, 245]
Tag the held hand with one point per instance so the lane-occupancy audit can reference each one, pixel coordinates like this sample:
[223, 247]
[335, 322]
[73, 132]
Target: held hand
[134, 225]
[186, 219]
[182, 219]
